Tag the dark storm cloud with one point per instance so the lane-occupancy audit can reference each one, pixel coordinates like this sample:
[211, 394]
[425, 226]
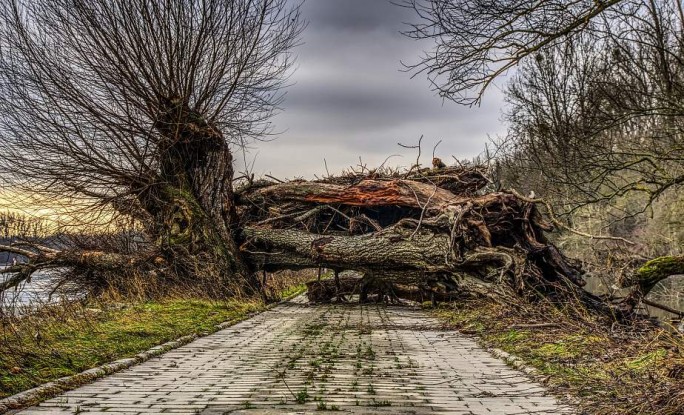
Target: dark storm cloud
[350, 98]
[355, 15]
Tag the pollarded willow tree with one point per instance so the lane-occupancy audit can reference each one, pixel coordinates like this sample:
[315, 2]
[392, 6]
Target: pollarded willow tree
[133, 107]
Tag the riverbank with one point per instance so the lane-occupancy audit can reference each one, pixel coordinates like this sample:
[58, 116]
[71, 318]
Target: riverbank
[626, 370]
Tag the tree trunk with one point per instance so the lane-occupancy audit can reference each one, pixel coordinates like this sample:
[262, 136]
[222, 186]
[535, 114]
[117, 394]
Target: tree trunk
[191, 203]
[649, 275]
[187, 207]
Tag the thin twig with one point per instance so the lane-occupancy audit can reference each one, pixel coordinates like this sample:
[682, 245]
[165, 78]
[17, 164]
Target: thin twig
[434, 149]
[274, 178]
[560, 224]
[417, 165]
[424, 208]
[663, 307]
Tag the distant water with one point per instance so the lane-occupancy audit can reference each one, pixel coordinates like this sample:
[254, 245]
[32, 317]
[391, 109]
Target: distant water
[33, 293]
[669, 292]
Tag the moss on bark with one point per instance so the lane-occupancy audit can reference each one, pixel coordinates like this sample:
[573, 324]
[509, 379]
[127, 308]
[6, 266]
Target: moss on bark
[656, 270]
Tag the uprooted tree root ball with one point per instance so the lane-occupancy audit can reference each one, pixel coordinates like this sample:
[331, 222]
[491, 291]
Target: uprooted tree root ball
[431, 229]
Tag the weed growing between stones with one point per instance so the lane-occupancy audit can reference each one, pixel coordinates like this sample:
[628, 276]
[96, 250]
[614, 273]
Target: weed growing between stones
[302, 396]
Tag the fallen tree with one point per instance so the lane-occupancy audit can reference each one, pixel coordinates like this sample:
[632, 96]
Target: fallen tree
[428, 228]
[409, 229]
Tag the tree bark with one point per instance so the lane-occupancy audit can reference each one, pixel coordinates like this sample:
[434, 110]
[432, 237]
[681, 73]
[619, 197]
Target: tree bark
[191, 203]
[649, 275]
[389, 250]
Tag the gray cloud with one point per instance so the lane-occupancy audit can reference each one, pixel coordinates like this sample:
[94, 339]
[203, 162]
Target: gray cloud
[355, 15]
[350, 98]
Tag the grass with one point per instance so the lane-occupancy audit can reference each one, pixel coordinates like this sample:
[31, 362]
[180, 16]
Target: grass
[292, 291]
[53, 344]
[626, 370]
[379, 403]
[64, 340]
[302, 396]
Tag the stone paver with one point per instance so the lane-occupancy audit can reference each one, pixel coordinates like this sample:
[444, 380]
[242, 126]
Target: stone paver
[297, 358]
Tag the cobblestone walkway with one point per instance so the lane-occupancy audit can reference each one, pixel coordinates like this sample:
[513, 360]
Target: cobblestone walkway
[298, 359]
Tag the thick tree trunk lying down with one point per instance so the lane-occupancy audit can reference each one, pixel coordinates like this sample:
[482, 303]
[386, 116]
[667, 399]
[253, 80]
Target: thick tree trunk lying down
[428, 229]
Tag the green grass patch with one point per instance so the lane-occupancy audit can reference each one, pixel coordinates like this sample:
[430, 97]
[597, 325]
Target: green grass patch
[647, 360]
[53, 344]
[302, 396]
[293, 291]
[511, 336]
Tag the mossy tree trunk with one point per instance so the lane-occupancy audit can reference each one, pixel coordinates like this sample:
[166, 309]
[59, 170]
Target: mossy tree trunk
[656, 270]
[650, 274]
[191, 202]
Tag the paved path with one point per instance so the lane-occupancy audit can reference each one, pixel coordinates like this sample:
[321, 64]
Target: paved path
[299, 359]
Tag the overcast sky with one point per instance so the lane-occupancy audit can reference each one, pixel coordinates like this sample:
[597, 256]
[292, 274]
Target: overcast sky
[349, 97]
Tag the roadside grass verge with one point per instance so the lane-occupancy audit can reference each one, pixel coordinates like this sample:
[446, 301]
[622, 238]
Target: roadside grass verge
[56, 342]
[293, 291]
[603, 370]
[68, 338]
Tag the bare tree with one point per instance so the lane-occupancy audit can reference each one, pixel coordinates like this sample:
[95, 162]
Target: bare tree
[476, 41]
[596, 103]
[133, 106]
[601, 125]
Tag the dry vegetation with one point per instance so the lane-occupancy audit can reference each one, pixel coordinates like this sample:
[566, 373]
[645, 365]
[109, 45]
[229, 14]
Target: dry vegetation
[629, 370]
